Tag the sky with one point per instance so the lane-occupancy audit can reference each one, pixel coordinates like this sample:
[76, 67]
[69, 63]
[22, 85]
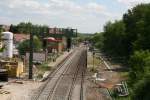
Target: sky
[88, 16]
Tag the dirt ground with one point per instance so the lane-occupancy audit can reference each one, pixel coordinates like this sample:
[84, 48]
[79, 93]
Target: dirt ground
[98, 90]
[95, 90]
[24, 89]
[18, 91]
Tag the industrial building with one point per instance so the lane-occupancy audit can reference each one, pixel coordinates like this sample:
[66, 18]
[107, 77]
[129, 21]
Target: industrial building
[60, 39]
[57, 41]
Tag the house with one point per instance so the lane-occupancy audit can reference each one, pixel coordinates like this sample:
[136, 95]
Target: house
[64, 36]
[20, 37]
[54, 44]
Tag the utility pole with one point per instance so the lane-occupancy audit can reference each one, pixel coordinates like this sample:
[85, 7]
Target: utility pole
[93, 58]
[31, 56]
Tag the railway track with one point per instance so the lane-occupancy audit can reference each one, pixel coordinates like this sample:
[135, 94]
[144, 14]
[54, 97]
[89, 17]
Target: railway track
[61, 83]
[78, 78]
[42, 88]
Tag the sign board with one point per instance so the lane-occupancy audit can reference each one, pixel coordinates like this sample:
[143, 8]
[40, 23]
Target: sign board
[39, 57]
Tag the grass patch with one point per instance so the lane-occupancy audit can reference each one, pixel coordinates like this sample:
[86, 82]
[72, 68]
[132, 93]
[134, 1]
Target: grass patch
[90, 60]
[124, 74]
[44, 67]
[40, 75]
[93, 69]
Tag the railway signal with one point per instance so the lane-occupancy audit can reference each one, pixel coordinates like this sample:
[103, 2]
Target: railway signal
[31, 56]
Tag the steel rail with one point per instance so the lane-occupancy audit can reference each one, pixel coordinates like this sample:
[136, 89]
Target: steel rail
[60, 65]
[82, 78]
[57, 81]
[60, 79]
[74, 79]
[81, 67]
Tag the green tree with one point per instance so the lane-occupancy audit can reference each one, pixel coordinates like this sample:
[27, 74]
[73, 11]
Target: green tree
[97, 40]
[13, 28]
[139, 66]
[131, 38]
[37, 44]
[26, 28]
[25, 46]
[141, 89]
[137, 22]
[115, 39]
[80, 38]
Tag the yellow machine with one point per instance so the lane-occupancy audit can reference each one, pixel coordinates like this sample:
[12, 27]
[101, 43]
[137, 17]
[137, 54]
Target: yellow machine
[15, 69]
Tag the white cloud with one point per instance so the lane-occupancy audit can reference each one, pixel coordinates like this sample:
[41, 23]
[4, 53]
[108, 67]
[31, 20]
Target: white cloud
[95, 7]
[88, 17]
[133, 2]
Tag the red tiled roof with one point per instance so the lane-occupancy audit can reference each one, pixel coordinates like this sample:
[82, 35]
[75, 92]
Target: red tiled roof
[21, 37]
[51, 39]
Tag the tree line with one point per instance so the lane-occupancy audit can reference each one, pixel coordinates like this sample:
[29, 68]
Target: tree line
[130, 38]
[27, 28]
[39, 31]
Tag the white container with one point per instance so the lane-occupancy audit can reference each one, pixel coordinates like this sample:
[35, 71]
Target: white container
[7, 38]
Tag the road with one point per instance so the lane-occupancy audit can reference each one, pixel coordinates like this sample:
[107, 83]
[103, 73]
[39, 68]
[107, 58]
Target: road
[66, 82]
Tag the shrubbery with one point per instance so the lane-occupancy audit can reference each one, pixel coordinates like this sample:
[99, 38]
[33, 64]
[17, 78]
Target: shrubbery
[130, 38]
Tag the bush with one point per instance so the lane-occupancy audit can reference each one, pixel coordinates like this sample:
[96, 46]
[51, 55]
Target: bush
[141, 89]
[25, 46]
[93, 69]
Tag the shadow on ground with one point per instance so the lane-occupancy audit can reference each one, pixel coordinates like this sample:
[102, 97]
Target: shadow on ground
[118, 69]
